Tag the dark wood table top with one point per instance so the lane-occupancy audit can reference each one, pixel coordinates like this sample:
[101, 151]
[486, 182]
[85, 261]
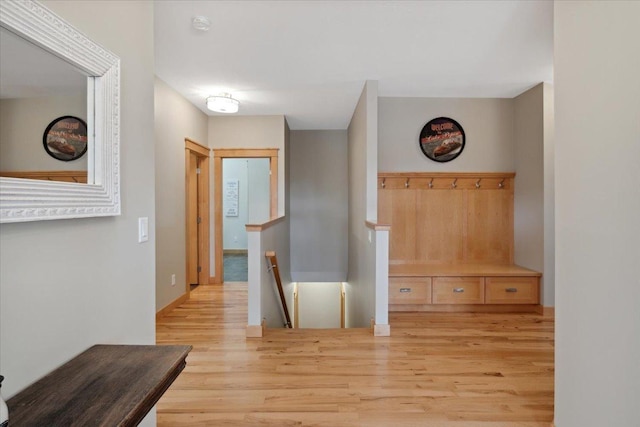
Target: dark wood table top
[107, 385]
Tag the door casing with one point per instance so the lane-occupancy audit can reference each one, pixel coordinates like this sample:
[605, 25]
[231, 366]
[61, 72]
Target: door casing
[227, 153]
[197, 206]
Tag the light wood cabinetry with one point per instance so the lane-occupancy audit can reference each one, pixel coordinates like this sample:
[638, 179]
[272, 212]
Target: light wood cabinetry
[448, 218]
[458, 290]
[464, 287]
[410, 290]
[451, 243]
[512, 290]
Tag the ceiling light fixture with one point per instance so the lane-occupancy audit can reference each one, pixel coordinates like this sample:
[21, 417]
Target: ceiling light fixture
[223, 103]
[201, 23]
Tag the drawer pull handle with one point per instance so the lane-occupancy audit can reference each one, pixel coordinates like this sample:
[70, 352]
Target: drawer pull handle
[458, 290]
[405, 290]
[511, 290]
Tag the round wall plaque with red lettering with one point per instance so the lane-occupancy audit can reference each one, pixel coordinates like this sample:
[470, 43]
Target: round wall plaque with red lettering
[442, 139]
[66, 138]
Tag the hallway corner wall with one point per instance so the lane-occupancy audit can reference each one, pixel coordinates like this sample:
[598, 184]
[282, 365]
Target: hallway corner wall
[175, 119]
[363, 170]
[93, 282]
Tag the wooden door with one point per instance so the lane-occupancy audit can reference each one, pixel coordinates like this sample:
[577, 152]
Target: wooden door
[197, 213]
[192, 218]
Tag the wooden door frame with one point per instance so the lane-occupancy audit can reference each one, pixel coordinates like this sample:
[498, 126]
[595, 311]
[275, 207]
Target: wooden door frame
[238, 153]
[202, 153]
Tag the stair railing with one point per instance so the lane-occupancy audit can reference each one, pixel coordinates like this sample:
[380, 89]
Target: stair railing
[272, 265]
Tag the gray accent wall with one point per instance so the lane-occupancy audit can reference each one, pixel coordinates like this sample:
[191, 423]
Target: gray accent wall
[66, 285]
[597, 114]
[175, 119]
[319, 205]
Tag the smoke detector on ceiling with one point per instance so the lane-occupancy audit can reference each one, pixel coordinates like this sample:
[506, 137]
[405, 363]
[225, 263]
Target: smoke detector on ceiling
[201, 23]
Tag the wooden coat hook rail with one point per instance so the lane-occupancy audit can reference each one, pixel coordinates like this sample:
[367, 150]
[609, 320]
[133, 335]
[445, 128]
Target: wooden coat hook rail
[481, 181]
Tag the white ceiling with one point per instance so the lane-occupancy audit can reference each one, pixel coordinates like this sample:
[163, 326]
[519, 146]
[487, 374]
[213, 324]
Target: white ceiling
[308, 60]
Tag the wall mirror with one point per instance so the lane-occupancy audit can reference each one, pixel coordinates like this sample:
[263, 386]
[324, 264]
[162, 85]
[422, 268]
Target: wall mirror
[93, 76]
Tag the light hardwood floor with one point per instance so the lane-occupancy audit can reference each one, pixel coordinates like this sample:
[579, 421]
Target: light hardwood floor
[436, 369]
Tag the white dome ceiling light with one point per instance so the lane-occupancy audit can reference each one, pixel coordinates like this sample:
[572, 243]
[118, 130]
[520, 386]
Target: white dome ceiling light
[223, 103]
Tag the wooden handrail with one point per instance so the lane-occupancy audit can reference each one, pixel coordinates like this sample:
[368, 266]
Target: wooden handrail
[273, 266]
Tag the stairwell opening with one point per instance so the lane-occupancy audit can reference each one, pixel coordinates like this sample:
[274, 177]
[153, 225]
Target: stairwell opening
[319, 305]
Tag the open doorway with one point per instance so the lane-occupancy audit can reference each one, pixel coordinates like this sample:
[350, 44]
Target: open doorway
[246, 200]
[228, 192]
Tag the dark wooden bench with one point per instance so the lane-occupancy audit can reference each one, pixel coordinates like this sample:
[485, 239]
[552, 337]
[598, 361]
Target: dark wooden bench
[107, 385]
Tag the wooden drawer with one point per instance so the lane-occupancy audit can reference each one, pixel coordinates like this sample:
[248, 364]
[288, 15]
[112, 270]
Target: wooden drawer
[512, 290]
[458, 290]
[410, 290]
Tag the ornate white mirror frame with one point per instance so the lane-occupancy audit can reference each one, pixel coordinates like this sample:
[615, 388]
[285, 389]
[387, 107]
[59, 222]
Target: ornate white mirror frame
[33, 200]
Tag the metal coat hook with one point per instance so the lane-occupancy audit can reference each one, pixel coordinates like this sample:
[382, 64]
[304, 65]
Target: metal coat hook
[501, 183]
[453, 184]
[478, 183]
[383, 182]
[406, 183]
[431, 183]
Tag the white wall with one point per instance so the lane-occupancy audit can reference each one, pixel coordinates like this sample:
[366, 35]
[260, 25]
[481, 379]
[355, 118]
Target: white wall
[234, 233]
[319, 304]
[549, 273]
[319, 205]
[253, 198]
[22, 125]
[597, 116]
[175, 119]
[259, 191]
[263, 299]
[362, 143]
[529, 184]
[382, 277]
[69, 284]
[488, 126]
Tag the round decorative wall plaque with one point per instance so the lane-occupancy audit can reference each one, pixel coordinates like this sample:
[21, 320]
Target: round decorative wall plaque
[66, 138]
[442, 139]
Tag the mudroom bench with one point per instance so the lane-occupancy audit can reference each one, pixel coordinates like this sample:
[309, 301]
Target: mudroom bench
[481, 287]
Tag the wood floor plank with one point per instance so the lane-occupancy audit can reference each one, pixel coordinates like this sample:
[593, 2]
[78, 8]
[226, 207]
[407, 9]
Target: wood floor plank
[440, 369]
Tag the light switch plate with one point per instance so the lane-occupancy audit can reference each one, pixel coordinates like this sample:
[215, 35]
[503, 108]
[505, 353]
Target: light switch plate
[143, 229]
